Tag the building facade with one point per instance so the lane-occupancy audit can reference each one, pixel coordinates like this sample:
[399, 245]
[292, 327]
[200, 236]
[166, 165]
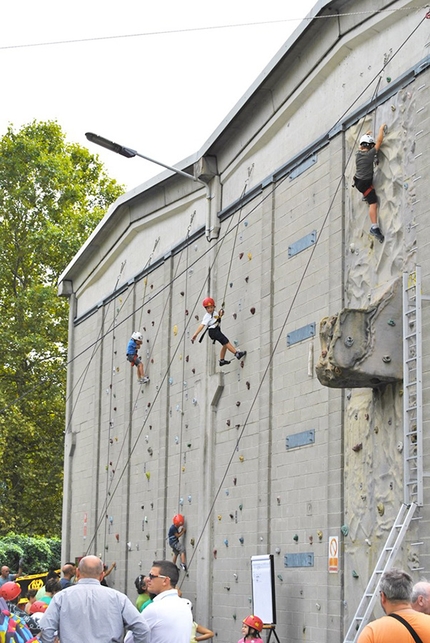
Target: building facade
[260, 456]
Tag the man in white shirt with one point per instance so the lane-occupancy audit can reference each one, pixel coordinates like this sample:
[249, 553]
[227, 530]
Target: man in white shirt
[168, 616]
[89, 612]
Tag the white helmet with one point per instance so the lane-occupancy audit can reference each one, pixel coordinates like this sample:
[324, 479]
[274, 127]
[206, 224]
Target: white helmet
[366, 139]
[137, 336]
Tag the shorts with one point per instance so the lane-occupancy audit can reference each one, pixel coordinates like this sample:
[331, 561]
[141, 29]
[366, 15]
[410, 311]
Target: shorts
[134, 359]
[178, 547]
[216, 335]
[362, 186]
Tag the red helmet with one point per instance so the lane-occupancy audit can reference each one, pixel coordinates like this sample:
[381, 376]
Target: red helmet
[254, 621]
[38, 606]
[10, 590]
[178, 520]
[208, 302]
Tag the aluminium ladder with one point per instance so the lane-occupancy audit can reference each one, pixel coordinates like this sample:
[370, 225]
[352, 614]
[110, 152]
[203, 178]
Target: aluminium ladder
[412, 445]
[385, 561]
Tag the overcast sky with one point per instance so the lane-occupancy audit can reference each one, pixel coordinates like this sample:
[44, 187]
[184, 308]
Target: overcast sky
[160, 93]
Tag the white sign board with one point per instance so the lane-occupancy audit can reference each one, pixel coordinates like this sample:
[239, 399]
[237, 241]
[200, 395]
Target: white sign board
[263, 588]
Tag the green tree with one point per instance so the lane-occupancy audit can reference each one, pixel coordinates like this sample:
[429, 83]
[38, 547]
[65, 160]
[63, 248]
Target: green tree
[52, 195]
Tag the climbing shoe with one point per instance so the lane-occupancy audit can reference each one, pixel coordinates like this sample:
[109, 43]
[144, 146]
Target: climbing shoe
[376, 232]
[224, 362]
[240, 354]
[184, 567]
[144, 380]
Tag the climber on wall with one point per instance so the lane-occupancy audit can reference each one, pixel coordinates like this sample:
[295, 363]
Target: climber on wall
[177, 530]
[133, 346]
[211, 322]
[363, 178]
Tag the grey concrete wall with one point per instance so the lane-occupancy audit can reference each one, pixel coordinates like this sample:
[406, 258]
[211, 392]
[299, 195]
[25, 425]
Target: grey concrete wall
[141, 455]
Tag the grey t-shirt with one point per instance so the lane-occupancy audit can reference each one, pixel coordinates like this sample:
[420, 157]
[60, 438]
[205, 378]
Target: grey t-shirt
[364, 164]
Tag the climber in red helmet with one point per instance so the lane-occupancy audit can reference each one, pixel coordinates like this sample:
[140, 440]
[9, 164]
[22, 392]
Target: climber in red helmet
[211, 322]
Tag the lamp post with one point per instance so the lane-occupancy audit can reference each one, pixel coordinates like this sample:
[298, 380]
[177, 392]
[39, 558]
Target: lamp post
[211, 230]
[130, 153]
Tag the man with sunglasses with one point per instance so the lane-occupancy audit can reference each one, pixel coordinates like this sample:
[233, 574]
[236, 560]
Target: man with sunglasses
[168, 616]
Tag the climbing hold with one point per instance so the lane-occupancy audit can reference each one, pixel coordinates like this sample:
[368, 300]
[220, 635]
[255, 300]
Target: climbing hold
[181, 502]
[228, 422]
[241, 255]
[277, 550]
[150, 451]
[182, 293]
[319, 534]
[354, 574]
[234, 617]
[231, 516]
[189, 499]
[388, 79]
[192, 542]
[187, 358]
[117, 537]
[241, 458]
[227, 492]
[234, 315]
[226, 542]
[175, 330]
[149, 311]
[240, 507]
[345, 530]
[357, 447]
[183, 468]
[236, 577]
[237, 403]
[280, 577]
[311, 540]
[129, 546]
[400, 447]
[391, 322]
[234, 481]
[366, 417]
[381, 509]
[241, 540]
[215, 553]
[249, 256]
[246, 279]
[386, 359]
[248, 385]
[349, 341]
[186, 312]
[219, 517]
[189, 445]
[296, 538]
[278, 500]
[252, 310]
[148, 474]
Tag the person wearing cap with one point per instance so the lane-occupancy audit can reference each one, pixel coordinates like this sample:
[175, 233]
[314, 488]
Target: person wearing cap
[87, 611]
[363, 179]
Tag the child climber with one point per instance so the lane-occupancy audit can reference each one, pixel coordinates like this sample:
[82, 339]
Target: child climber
[364, 160]
[132, 348]
[211, 322]
[175, 532]
[251, 628]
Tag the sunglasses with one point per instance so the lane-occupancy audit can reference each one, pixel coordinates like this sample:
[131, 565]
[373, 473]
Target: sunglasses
[152, 576]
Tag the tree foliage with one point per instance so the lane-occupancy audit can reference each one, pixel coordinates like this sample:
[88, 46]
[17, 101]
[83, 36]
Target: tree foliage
[37, 554]
[52, 195]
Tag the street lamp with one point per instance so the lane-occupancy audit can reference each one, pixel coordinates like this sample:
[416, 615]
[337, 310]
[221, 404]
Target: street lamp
[129, 153]
[212, 231]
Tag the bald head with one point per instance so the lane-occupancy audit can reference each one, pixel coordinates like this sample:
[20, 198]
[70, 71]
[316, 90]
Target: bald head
[90, 567]
[5, 571]
[420, 599]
